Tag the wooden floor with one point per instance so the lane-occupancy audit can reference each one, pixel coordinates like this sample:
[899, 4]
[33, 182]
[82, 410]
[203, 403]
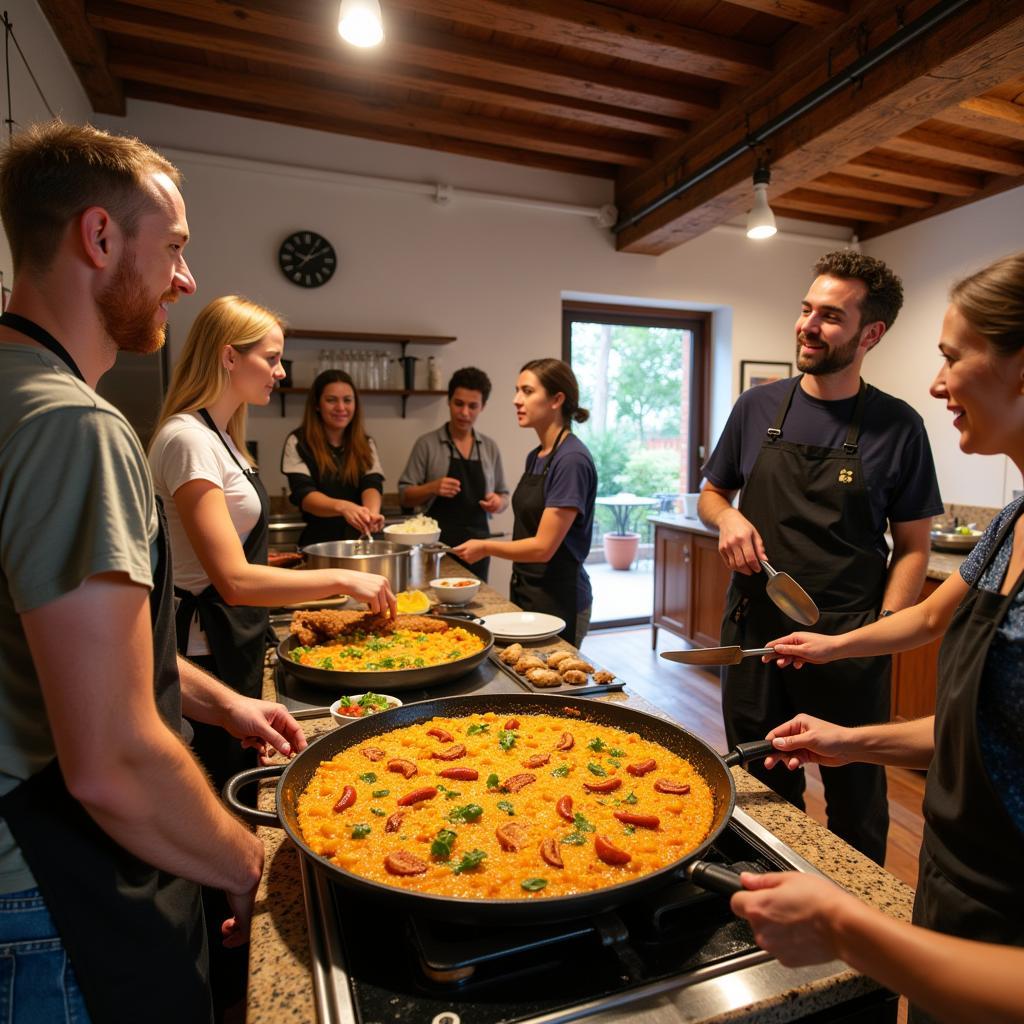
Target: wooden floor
[693, 698]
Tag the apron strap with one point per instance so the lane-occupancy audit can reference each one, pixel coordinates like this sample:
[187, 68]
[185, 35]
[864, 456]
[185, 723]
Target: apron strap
[850, 445]
[775, 430]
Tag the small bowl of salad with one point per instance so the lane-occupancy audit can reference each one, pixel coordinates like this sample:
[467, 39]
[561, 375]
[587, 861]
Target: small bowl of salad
[361, 705]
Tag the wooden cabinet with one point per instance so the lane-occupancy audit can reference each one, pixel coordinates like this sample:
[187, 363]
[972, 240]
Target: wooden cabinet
[690, 581]
[915, 675]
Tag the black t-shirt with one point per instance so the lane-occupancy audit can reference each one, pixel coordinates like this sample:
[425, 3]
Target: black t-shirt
[894, 448]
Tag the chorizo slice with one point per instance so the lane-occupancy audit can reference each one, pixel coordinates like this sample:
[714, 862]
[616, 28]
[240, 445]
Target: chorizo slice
[441, 734]
[394, 823]
[565, 742]
[511, 724]
[550, 853]
[638, 820]
[401, 862]
[537, 761]
[564, 808]
[372, 753]
[642, 768]
[575, 712]
[604, 786]
[416, 795]
[668, 786]
[517, 782]
[462, 774]
[610, 853]
[404, 768]
[347, 799]
[450, 753]
[512, 837]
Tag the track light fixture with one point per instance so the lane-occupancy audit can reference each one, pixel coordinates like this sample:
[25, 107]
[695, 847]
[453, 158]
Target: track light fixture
[761, 221]
[359, 22]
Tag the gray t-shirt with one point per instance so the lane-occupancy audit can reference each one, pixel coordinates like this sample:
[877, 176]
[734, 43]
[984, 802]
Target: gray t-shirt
[76, 500]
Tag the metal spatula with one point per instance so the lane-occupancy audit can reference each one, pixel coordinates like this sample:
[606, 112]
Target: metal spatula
[789, 597]
[715, 655]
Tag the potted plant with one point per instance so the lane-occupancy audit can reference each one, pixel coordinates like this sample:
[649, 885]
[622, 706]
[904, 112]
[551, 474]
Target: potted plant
[621, 544]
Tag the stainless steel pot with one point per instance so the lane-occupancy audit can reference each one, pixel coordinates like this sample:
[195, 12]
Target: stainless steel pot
[380, 556]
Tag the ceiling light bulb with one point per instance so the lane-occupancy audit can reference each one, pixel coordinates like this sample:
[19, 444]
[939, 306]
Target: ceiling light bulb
[359, 22]
[761, 221]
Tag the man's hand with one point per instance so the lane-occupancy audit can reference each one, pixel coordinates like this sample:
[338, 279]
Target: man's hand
[471, 551]
[265, 727]
[235, 930]
[447, 487]
[806, 740]
[491, 502]
[739, 544]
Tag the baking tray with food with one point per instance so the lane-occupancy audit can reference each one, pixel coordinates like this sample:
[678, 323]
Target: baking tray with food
[554, 669]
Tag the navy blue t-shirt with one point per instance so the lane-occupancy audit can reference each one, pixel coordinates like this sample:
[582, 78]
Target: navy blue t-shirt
[894, 448]
[571, 483]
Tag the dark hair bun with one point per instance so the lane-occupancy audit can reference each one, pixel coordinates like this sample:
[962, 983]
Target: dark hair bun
[581, 415]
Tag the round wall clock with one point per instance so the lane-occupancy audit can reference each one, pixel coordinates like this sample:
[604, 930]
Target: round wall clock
[307, 259]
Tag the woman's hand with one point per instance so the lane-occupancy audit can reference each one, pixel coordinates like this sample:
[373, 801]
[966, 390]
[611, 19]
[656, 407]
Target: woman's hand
[373, 590]
[804, 740]
[471, 551]
[798, 649]
[376, 521]
[359, 517]
[791, 915]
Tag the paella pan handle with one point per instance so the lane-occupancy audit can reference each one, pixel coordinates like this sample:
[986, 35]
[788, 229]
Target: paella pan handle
[744, 753]
[714, 877]
[246, 778]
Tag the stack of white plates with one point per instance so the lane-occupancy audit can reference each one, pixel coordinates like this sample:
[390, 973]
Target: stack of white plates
[523, 625]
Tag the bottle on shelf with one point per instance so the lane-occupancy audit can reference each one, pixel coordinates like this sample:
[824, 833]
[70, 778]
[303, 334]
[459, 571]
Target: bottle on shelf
[433, 373]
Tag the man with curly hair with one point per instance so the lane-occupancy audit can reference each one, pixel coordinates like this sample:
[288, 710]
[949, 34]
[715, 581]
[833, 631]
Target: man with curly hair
[824, 465]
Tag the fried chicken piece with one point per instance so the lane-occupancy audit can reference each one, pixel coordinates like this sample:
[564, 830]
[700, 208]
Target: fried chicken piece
[575, 665]
[528, 661]
[574, 677]
[512, 654]
[313, 628]
[544, 677]
[421, 624]
[603, 676]
[557, 657]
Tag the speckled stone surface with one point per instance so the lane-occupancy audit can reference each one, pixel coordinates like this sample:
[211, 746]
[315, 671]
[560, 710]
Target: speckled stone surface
[280, 983]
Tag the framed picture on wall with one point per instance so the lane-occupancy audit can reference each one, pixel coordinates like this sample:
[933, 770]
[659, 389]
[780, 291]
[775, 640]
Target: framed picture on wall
[754, 372]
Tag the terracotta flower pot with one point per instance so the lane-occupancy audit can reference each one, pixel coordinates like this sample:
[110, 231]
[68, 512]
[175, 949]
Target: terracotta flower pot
[620, 549]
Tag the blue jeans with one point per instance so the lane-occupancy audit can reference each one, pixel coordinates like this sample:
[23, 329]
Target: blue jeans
[37, 983]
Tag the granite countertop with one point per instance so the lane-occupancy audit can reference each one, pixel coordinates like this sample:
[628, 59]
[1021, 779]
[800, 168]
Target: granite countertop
[941, 564]
[280, 983]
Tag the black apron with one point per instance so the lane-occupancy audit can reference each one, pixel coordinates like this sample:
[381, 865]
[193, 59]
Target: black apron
[237, 635]
[547, 587]
[320, 529]
[461, 517]
[811, 506]
[134, 935]
[971, 856]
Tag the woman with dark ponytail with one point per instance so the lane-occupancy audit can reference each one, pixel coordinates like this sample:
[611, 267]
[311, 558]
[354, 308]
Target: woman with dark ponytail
[553, 503]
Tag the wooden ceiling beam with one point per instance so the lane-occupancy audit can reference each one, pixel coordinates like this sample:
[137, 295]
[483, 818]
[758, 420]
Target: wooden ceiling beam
[952, 149]
[971, 51]
[963, 117]
[87, 52]
[130, 23]
[818, 13]
[878, 191]
[422, 140]
[897, 170]
[818, 202]
[585, 25]
[448, 54]
[344, 106]
[999, 110]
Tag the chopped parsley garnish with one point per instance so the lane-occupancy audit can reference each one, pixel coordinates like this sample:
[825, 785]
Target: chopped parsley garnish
[378, 812]
[377, 794]
[476, 729]
[369, 776]
[631, 799]
[442, 845]
[504, 805]
[574, 839]
[360, 831]
[449, 794]
[469, 861]
[506, 739]
[561, 771]
[614, 752]
[597, 745]
[468, 812]
[534, 884]
[581, 824]
[493, 781]
[596, 769]
[629, 829]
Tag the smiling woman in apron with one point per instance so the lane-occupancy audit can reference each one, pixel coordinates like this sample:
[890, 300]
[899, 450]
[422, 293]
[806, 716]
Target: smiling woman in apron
[972, 854]
[217, 511]
[455, 473]
[553, 503]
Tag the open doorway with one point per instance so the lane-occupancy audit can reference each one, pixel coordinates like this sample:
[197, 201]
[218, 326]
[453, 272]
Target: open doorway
[644, 377]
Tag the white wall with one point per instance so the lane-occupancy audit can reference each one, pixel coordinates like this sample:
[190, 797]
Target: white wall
[929, 257]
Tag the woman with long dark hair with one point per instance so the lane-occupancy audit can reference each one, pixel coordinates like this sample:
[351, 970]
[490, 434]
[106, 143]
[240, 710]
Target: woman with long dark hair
[332, 466]
[553, 503]
[962, 959]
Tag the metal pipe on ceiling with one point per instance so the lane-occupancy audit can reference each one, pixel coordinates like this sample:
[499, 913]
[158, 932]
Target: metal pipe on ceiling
[896, 42]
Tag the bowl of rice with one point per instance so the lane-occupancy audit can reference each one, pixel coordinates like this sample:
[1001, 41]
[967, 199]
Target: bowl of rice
[414, 531]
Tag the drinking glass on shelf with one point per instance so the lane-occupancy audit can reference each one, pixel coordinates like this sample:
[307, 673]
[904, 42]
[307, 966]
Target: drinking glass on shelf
[323, 361]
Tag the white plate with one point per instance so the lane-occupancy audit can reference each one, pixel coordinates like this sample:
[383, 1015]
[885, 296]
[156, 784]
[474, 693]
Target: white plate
[523, 625]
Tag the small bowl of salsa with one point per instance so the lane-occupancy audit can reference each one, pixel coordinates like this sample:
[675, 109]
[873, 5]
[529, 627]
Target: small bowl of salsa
[361, 705]
[455, 589]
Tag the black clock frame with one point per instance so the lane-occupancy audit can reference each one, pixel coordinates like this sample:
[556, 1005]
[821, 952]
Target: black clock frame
[307, 259]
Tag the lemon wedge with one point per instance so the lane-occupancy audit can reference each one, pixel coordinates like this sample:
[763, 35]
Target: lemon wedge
[412, 602]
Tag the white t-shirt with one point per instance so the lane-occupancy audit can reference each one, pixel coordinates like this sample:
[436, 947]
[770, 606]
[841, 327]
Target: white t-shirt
[186, 449]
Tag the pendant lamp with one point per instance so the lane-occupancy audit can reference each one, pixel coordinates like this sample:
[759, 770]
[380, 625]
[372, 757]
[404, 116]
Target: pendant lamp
[359, 22]
[761, 221]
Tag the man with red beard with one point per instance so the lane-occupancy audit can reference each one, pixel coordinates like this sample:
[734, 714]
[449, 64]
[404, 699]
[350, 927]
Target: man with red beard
[824, 464]
[108, 824]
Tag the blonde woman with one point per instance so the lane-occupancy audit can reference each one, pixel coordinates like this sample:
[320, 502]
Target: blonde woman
[332, 465]
[217, 507]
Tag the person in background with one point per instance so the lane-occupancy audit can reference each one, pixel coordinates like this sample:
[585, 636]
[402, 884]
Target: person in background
[824, 464]
[218, 517]
[455, 473]
[332, 466]
[962, 959]
[553, 503]
[107, 824]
